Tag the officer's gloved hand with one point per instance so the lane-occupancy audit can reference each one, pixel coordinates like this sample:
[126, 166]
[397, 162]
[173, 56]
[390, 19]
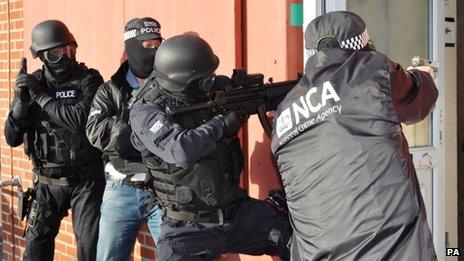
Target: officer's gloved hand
[22, 93]
[31, 83]
[231, 123]
[21, 101]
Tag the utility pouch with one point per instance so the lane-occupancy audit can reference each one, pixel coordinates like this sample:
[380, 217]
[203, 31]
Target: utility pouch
[24, 202]
[33, 214]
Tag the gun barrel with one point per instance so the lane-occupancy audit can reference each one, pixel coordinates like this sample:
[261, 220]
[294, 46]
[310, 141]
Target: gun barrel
[278, 89]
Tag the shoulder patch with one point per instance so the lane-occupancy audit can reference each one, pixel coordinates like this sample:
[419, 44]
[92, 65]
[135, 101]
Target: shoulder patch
[94, 112]
[156, 127]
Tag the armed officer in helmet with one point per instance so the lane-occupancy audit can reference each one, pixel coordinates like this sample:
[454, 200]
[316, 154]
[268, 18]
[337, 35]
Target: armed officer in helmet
[128, 199]
[350, 182]
[49, 115]
[196, 161]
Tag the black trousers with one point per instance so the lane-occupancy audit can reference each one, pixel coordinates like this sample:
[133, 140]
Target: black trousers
[250, 231]
[84, 198]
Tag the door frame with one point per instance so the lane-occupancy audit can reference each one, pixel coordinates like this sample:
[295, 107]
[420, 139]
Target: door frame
[313, 8]
[460, 119]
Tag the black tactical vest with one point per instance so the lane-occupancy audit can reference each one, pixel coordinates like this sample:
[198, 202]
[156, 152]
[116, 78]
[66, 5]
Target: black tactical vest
[212, 183]
[51, 145]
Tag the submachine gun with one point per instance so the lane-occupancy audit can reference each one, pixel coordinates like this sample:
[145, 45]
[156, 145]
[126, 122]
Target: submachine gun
[247, 95]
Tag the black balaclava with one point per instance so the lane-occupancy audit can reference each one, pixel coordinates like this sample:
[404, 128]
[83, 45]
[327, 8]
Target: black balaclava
[61, 69]
[140, 59]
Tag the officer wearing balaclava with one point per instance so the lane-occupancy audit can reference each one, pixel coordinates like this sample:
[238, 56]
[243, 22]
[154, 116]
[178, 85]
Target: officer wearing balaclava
[350, 182]
[49, 114]
[129, 199]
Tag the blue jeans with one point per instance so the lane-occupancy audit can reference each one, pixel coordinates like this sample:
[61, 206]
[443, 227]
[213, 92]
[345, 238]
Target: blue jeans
[123, 210]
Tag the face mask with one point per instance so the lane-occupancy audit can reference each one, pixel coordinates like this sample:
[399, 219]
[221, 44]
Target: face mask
[60, 69]
[140, 59]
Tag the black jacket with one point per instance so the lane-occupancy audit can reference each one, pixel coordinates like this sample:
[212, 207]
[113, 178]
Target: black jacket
[350, 182]
[54, 129]
[108, 127]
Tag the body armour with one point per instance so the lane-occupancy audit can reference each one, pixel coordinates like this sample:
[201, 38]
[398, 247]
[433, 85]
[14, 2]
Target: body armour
[52, 145]
[213, 181]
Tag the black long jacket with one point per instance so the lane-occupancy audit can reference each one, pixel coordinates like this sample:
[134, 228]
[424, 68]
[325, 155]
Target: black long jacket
[108, 127]
[350, 182]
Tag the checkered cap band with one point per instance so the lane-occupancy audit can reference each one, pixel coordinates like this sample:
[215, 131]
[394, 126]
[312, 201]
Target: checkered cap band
[130, 34]
[311, 52]
[153, 31]
[357, 42]
[354, 43]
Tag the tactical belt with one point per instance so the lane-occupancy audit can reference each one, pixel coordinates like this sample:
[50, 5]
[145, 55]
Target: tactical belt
[136, 184]
[215, 216]
[127, 181]
[64, 181]
[51, 176]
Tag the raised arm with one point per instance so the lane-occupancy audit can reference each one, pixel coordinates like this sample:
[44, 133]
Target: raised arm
[413, 93]
[168, 140]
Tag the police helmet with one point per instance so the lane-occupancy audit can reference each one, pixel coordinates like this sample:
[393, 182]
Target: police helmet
[339, 29]
[50, 34]
[182, 59]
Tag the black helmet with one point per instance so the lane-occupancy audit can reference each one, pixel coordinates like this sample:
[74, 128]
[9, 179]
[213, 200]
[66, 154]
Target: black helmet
[182, 59]
[49, 34]
[348, 31]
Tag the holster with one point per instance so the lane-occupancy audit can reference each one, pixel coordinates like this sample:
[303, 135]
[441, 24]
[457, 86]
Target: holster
[25, 199]
[278, 199]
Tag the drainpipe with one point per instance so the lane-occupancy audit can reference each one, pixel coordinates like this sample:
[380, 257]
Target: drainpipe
[241, 62]
[13, 243]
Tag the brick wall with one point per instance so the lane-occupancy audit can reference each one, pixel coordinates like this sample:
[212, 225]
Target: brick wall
[13, 161]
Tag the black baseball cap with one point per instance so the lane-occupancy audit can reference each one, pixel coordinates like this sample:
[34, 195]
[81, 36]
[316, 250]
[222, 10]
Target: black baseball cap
[141, 29]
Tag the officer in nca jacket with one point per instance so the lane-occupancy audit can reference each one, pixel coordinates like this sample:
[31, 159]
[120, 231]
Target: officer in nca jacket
[350, 182]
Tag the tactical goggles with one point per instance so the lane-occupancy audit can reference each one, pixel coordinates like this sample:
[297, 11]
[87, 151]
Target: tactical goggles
[55, 54]
[206, 82]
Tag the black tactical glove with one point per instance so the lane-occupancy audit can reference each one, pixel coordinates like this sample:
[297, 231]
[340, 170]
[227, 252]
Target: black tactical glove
[122, 132]
[22, 94]
[231, 124]
[31, 83]
[21, 101]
